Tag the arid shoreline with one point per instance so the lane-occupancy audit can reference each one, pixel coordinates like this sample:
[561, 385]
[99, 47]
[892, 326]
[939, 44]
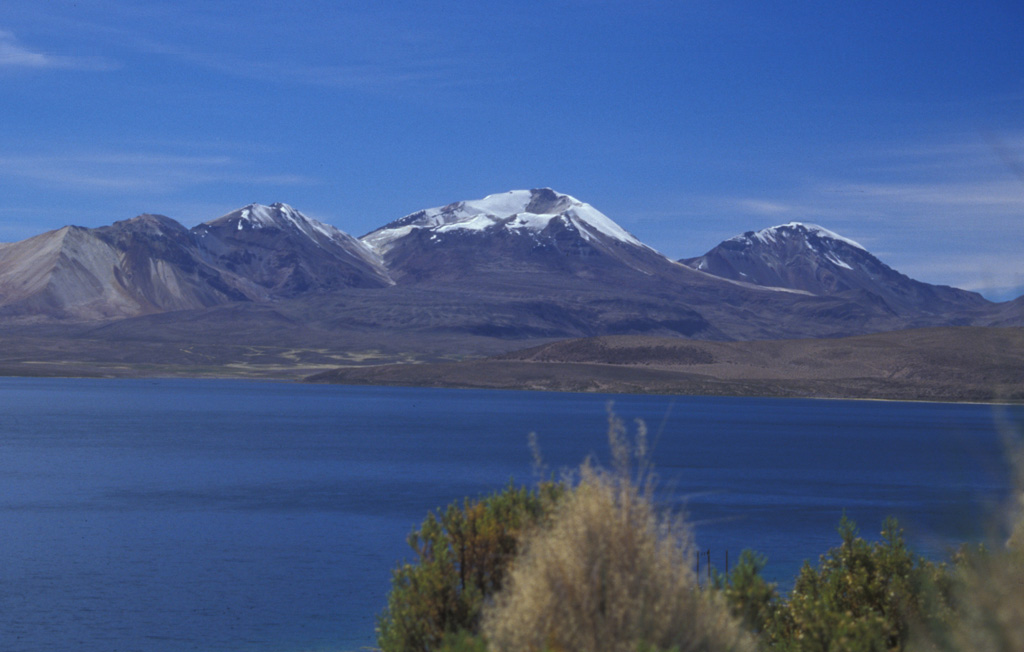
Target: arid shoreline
[948, 365]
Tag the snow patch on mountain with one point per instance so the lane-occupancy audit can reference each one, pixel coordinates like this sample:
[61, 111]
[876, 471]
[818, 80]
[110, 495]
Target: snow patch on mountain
[257, 216]
[283, 216]
[832, 258]
[518, 211]
[293, 226]
[772, 234]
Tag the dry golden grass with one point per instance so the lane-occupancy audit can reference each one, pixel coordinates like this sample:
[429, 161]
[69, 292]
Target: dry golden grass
[990, 606]
[610, 574]
[988, 601]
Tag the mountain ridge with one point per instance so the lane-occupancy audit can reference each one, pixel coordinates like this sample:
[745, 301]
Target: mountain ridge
[475, 276]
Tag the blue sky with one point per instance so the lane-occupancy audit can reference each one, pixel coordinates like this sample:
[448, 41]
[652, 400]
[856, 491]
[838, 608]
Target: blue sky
[897, 124]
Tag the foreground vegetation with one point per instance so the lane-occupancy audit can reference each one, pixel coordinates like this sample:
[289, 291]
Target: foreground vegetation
[590, 564]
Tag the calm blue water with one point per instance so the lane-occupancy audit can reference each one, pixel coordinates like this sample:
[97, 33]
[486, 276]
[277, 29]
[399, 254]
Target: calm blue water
[172, 515]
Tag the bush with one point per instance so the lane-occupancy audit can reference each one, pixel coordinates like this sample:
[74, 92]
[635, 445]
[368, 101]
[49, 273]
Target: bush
[863, 596]
[597, 568]
[749, 596]
[609, 573]
[461, 559]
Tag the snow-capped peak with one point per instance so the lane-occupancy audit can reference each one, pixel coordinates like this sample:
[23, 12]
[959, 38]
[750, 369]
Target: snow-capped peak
[279, 216]
[285, 227]
[517, 211]
[773, 234]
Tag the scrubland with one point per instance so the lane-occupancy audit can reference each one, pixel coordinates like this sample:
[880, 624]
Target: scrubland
[589, 562]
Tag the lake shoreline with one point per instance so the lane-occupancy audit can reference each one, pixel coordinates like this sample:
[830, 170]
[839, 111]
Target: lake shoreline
[974, 365]
[946, 365]
[452, 377]
[295, 379]
[361, 377]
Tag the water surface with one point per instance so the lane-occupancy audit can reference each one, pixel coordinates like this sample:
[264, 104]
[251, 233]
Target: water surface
[174, 515]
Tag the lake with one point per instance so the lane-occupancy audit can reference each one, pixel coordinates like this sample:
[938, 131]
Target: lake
[167, 515]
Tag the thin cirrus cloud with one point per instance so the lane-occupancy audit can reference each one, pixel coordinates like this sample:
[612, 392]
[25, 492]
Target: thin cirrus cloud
[997, 196]
[132, 171]
[383, 50]
[997, 275]
[13, 55]
[881, 208]
[957, 178]
[369, 73]
[762, 206]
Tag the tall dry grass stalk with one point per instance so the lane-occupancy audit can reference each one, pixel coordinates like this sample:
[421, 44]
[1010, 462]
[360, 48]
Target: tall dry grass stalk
[610, 574]
[988, 601]
[1015, 445]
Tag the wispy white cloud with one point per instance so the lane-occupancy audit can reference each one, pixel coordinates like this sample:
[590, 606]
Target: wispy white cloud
[137, 172]
[14, 55]
[771, 210]
[994, 196]
[347, 46]
[368, 75]
[763, 207]
[364, 71]
[968, 148]
[386, 50]
[962, 180]
[997, 274]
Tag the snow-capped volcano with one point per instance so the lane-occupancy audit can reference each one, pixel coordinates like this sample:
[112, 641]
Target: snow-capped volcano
[517, 230]
[814, 259]
[530, 212]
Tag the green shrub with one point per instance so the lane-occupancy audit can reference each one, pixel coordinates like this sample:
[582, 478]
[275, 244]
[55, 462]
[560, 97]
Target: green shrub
[461, 556]
[749, 596]
[863, 596]
[463, 641]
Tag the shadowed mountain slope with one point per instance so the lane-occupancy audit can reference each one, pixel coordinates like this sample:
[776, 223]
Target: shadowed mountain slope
[286, 253]
[813, 259]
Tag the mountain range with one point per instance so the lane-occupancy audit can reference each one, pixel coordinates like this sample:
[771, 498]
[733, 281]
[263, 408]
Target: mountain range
[469, 278]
